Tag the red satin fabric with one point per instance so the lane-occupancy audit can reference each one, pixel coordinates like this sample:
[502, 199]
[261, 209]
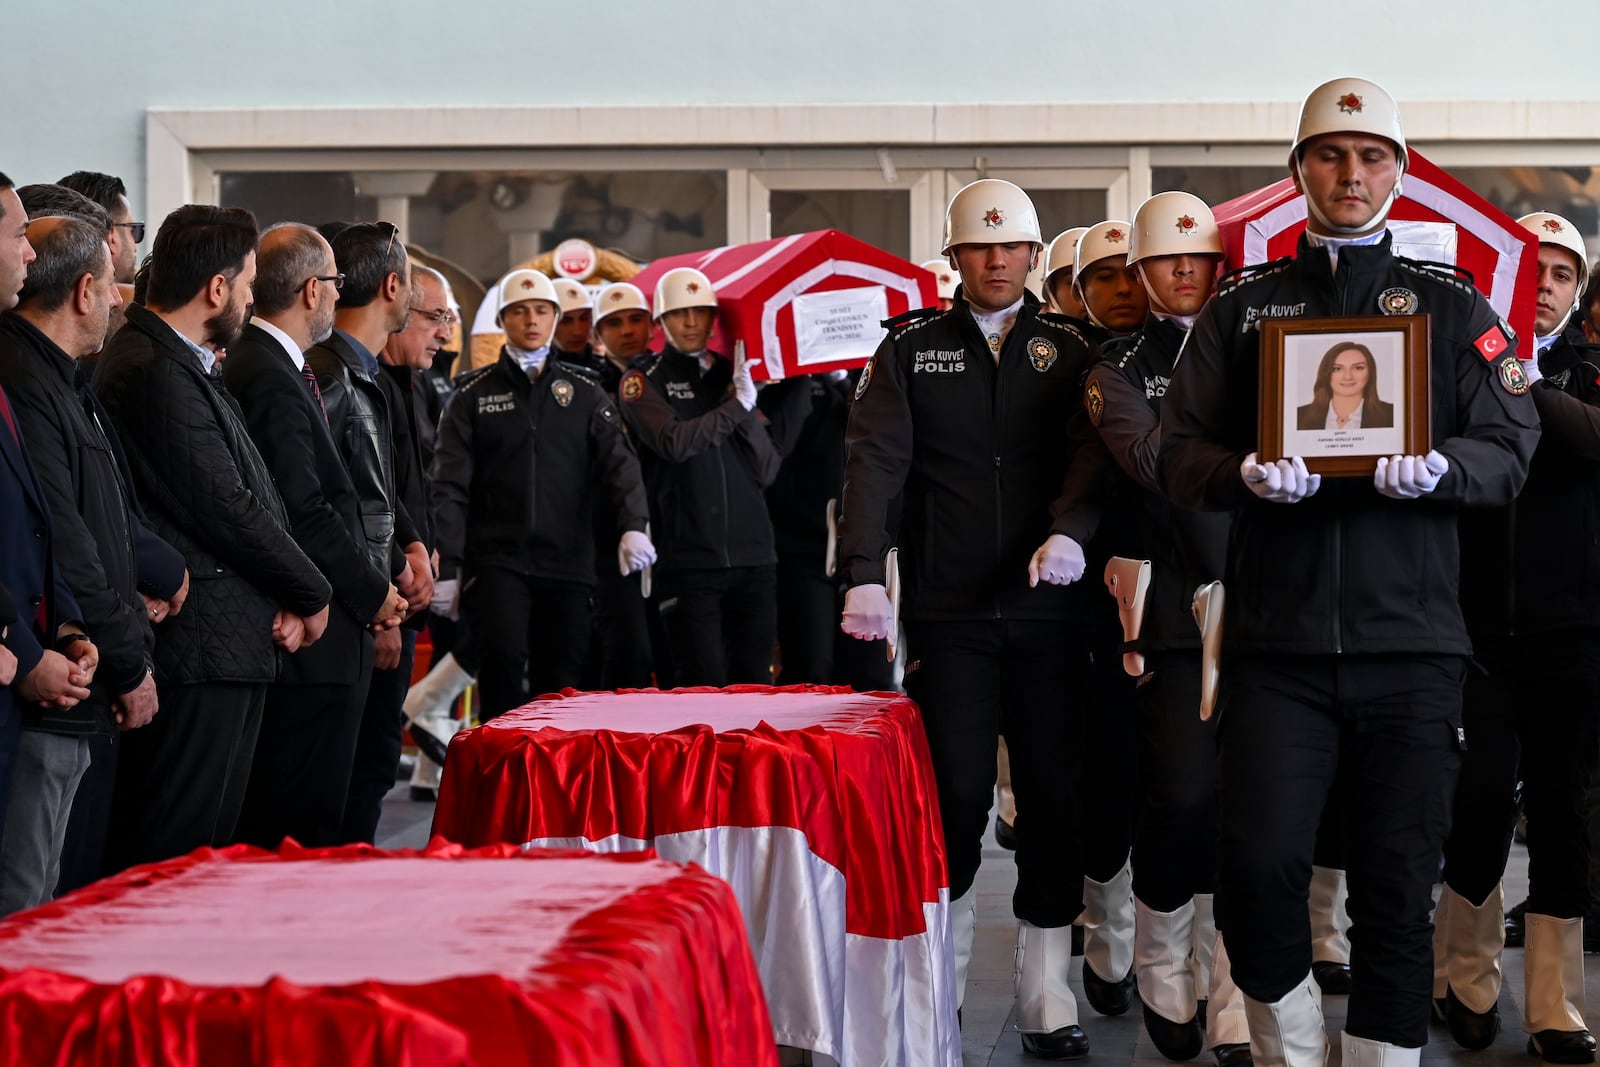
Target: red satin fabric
[850, 770]
[313, 957]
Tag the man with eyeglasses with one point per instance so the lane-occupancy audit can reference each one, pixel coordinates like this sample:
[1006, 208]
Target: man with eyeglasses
[374, 303]
[126, 235]
[300, 774]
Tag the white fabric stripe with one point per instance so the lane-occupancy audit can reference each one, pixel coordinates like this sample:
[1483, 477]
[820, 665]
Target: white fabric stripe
[1509, 247]
[860, 1000]
[770, 341]
[771, 253]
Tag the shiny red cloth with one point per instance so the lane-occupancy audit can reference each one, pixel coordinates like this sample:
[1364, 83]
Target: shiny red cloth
[850, 770]
[352, 955]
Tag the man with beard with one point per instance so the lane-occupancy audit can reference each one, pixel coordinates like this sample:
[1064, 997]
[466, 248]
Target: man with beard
[302, 765]
[374, 303]
[181, 780]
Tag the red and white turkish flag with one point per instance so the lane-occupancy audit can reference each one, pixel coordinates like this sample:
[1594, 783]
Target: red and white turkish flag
[1435, 218]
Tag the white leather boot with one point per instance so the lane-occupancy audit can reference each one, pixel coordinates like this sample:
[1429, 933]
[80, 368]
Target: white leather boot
[1330, 927]
[1108, 980]
[1553, 1004]
[1163, 962]
[1047, 1010]
[1472, 941]
[1289, 1031]
[963, 929]
[1365, 1052]
[427, 706]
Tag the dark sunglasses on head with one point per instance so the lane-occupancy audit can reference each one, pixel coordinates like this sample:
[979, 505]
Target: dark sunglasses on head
[136, 230]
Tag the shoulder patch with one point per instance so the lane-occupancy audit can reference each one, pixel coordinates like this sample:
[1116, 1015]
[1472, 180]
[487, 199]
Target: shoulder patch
[1494, 342]
[1252, 272]
[631, 387]
[1513, 379]
[866, 377]
[1095, 400]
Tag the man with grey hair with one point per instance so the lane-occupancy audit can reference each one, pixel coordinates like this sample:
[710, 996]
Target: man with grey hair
[42, 201]
[61, 317]
[301, 769]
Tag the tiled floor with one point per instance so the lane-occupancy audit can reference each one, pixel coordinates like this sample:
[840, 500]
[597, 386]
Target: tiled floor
[988, 1039]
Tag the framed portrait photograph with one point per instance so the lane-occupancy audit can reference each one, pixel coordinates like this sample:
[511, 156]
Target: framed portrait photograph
[1341, 392]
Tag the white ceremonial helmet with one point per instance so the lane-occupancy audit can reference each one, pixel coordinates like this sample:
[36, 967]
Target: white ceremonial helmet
[1350, 105]
[948, 278]
[522, 285]
[1174, 224]
[1100, 241]
[619, 296]
[990, 212]
[1062, 249]
[573, 296]
[683, 287]
[1552, 229]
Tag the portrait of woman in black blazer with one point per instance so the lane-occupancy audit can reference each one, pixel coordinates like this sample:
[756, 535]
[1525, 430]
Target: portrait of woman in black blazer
[1345, 396]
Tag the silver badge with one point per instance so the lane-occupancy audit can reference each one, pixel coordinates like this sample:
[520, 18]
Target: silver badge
[1041, 353]
[561, 389]
[1397, 301]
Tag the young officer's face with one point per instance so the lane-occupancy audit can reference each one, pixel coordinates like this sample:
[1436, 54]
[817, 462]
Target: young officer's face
[1113, 293]
[529, 324]
[993, 276]
[1180, 284]
[689, 328]
[625, 333]
[1557, 289]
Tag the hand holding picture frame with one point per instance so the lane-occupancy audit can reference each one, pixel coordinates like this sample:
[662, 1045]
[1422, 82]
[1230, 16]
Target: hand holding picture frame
[1341, 392]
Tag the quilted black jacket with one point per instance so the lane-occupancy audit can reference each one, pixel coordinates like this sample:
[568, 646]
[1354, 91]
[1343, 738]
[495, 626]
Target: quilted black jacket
[208, 493]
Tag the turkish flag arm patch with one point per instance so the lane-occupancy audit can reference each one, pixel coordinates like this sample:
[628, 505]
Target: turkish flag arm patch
[1494, 343]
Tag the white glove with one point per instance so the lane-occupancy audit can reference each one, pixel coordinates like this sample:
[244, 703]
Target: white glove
[744, 387]
[1059, 561]
[445, 594]
[1282, 482]
[1530, 367]
[635, 552]
[867, 613]
[1408, 477]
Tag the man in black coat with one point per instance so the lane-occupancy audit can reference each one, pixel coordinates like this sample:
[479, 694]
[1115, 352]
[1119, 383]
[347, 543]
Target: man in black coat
[61, 316]
[181, 781]
[301, 770]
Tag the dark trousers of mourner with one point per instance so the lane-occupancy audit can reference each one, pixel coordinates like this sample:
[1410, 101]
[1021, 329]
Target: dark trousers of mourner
[972, 680]
[1385, 731]
[376, 759]
[181, 778]
[1108, 765]
[722, 623]
[1175, 832]
[1533, 709]
[301, 771]
[812, 647]
[532, 636]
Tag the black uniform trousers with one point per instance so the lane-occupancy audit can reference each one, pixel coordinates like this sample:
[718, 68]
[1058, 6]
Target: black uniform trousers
[1533, 708]
[376, 759]
[972, 680]
[812, 648]
[1175, 831]
[624, 631]
[722, 623]
[181, 777]
[1385, 730]
[300, 775]
[1108, 766]
[532, 636]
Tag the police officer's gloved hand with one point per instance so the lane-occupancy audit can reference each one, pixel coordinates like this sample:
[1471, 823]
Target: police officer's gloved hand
[744, 387]
[1059, 561]
[1408, 477]
[635, 552]
[1282, 482]
[868, 615]
[445, 595]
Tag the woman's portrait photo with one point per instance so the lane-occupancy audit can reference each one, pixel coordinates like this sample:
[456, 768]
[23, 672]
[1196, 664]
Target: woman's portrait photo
[1345, 393]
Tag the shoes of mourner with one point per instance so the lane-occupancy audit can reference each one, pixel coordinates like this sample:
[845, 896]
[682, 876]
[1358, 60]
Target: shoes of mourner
[1562, 1046]
[1468, 1028]
[1067, 1043]
[1332, 978]
[1175, 1041]
[1109, 998]
[1233, 1055]
[1005, 835]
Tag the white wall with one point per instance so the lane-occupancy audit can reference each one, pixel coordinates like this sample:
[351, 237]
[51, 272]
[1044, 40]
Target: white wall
[76, 78]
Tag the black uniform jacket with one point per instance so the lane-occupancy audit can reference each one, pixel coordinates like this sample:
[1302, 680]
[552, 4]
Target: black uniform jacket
[708, 462]
[1534, 567]
[92, 520]
[518, 465]
[984, 453]
[359, 418]
[1186, 549]
[208, 493]
[1347, 570]
[324, 512]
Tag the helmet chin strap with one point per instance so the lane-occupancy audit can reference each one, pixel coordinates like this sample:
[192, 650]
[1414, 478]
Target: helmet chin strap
[1087, 310]
[1379, 217]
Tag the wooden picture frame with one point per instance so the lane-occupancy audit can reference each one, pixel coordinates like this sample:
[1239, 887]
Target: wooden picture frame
[1341, 392]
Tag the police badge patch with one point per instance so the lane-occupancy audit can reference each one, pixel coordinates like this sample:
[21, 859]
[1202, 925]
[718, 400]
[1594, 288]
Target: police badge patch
[1095, 401]
[1513, 379]
[1397, 301]
[561, 389]
[1041, 353]
[866, 377]
[632, 386]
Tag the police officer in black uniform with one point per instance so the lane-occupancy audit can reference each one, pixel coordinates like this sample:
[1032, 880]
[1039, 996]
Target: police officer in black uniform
[975, 414]
[573, 341]
[1531, 593]
[1344, 645]
[523, 448]
[710, 458]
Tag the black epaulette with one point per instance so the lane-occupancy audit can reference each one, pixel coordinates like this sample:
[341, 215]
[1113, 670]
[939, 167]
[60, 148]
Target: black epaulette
[1251, 272]
[1065, 323]
[588, 374]
[1456, 275]
[649, 366]
[908, 317]
[1109, 351]
[475, 375]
